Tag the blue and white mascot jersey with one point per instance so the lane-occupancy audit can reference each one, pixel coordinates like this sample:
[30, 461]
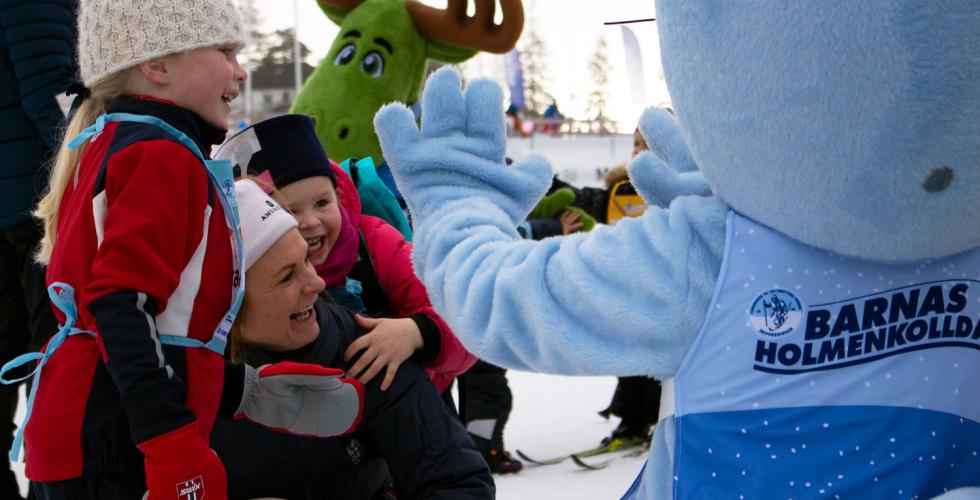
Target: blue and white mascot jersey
[819, 375]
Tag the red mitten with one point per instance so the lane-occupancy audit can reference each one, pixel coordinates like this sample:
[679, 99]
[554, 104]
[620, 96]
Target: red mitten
[180, 466]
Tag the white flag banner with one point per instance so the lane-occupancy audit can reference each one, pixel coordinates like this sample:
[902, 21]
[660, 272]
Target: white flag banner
[634, 67]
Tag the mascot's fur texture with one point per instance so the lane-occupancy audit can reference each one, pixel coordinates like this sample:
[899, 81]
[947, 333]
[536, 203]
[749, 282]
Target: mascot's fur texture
[849, 126]
[667, 170]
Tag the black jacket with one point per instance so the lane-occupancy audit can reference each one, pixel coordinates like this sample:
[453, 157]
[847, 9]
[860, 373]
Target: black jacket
[594, 201]
[37, 62]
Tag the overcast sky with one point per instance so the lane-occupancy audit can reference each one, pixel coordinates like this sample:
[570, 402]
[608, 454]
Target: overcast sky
[570, 30]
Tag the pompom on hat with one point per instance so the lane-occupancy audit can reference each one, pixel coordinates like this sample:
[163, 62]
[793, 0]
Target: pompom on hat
[283, 150]
[114, 35]
[263, 220]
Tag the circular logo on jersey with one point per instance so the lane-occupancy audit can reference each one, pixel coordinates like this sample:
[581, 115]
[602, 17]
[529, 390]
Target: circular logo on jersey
[775, 312]
[229, 186]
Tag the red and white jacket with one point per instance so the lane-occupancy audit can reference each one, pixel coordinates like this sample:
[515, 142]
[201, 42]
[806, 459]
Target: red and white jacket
[143, 241]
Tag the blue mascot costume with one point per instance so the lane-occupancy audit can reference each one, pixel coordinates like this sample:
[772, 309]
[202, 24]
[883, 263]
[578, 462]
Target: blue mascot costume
[814, 311]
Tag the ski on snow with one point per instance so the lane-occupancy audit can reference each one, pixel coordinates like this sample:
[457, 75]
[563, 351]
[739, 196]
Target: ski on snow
[547, 461]
[634, 451]
[579, 455]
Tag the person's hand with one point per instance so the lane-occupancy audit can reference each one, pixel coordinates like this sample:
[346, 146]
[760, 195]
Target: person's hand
[302, 398]
[179, 464]
[558, 205]
[387, 344]
[459, 152]
[570, 221]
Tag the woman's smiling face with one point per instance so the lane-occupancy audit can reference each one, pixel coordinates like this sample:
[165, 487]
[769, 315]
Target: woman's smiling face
[280, 290]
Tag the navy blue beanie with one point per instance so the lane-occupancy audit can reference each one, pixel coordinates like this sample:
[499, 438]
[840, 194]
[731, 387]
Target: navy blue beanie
[286, 147]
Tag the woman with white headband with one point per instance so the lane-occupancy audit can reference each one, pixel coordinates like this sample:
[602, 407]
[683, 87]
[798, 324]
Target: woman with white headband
[283, 318]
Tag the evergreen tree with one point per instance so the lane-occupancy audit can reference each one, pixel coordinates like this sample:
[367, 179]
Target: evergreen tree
[599, 69]
[275, 63]
[279, 48]
[533, 57]
[258, 40]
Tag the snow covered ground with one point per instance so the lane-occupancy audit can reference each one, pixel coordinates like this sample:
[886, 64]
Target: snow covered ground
[552, 416]
[579, 159]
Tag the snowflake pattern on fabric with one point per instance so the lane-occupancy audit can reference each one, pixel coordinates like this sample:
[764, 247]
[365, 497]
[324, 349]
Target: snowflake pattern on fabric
[869, 374]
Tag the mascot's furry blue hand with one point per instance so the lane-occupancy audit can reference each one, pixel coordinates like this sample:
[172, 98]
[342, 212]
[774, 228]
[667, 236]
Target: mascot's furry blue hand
[459, 151]
[667, 169]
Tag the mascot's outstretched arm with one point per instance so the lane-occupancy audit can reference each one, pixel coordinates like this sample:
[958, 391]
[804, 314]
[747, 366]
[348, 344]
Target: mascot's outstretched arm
[566, 305]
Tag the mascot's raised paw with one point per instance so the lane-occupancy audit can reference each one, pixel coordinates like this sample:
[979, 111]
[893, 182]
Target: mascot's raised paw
[658, 183]
[667, 170]
[459, 151]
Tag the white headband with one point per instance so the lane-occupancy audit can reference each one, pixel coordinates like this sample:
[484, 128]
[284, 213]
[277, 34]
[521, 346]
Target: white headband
[263, 220]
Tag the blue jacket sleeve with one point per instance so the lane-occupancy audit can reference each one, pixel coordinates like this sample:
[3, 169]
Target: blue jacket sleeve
[540, 229]
[621, 300]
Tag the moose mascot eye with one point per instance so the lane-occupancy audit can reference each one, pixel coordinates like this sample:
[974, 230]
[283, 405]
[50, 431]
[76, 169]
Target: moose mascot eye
[346, 55]
[373, 64]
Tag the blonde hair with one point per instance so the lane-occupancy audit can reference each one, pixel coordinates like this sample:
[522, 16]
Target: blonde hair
[615, 174]
[65, 163]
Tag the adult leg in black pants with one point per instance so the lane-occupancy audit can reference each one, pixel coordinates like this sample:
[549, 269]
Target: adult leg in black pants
[485, 405]
[637, 402]
[26, 323]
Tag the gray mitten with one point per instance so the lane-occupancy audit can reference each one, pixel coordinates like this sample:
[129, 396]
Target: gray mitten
[303, 399]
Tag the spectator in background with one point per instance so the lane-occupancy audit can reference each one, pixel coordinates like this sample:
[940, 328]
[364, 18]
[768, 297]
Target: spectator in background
[552, 119]
[639, 143]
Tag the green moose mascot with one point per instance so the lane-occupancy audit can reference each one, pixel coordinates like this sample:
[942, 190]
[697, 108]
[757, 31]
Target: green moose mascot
[380, 56]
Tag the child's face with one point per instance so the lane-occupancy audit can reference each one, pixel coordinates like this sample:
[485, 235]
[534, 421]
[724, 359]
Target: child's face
[206, 80]
[639, 144]
[313, 201]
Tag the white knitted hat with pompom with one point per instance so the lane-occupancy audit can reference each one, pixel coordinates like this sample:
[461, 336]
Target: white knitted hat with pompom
[117, 34]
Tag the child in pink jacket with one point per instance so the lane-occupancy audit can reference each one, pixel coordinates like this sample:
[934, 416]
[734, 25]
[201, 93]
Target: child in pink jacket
[365, 262]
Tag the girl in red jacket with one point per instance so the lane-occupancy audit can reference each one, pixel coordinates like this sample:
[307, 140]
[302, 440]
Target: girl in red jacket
[137, 247]
[365, 262]
[144, 262]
